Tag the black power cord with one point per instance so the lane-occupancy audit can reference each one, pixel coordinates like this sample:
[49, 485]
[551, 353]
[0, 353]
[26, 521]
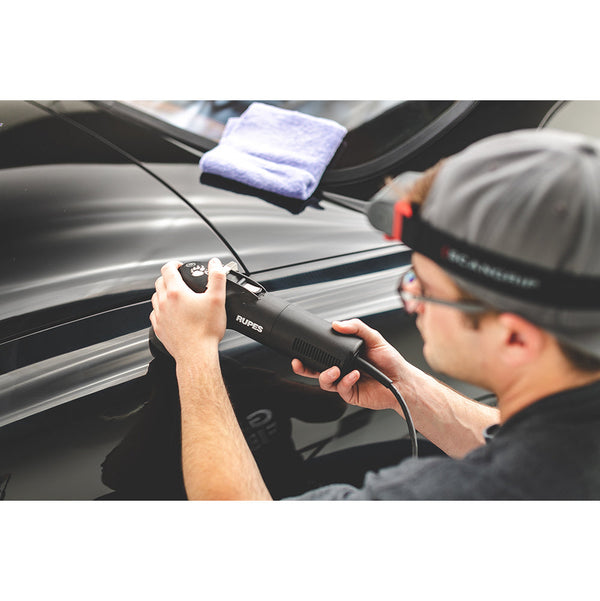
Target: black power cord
[372, 371]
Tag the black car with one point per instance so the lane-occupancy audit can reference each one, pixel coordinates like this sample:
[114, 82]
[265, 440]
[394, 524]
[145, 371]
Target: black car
[97, 196]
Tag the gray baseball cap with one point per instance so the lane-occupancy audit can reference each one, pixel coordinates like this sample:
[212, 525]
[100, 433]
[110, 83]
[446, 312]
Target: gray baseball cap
[515, 220]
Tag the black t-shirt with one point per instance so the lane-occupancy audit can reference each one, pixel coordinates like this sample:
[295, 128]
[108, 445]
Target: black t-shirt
[548, 451]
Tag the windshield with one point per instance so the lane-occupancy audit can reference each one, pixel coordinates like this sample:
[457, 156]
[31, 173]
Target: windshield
[207, 118]
[375, 127]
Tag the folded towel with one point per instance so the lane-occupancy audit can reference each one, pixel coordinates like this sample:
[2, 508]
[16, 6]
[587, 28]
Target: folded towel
[275, 149]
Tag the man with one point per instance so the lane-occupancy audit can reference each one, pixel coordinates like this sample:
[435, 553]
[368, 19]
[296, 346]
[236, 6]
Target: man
[506, 288]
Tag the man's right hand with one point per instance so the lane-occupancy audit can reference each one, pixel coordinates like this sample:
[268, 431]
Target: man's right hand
[356, 388]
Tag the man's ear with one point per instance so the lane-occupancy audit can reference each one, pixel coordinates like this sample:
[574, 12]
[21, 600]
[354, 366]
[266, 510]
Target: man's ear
[521, 341]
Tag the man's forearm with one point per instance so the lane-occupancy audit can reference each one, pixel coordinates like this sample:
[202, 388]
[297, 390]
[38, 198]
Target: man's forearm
[450, 420]
[217, 463]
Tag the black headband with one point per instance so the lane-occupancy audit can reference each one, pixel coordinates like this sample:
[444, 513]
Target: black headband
[496, 272]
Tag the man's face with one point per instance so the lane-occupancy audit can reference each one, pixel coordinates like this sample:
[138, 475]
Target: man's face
[452, 345]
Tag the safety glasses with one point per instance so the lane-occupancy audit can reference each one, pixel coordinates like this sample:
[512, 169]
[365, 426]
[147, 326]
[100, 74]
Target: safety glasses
[411, 293]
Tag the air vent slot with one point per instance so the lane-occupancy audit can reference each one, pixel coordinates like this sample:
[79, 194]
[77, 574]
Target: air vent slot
[305, 350]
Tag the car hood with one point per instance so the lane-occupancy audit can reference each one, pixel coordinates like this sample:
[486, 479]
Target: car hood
[277, 232]
[264, 232]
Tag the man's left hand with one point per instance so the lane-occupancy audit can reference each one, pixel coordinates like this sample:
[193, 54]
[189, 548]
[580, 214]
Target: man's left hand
[183, 320]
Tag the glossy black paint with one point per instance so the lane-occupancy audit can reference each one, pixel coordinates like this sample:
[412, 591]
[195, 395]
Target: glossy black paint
[262, 233]
[86, 233]
[92, 205]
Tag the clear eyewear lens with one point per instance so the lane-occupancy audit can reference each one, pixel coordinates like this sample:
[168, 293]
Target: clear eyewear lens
[410, 298]
[413, 299]
[410, 302]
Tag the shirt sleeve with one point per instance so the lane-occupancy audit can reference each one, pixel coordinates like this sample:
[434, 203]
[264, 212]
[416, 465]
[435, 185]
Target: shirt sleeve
[428, 478]
[389, 483]
[332, 492]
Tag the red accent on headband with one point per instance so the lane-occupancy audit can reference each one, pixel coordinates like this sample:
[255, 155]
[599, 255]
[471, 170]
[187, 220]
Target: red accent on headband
[402, 209]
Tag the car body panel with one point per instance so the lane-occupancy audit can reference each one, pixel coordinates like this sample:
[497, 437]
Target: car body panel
[90, 228]
[87, 230]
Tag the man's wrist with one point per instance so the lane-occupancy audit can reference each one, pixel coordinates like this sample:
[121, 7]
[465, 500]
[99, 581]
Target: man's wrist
[199, 377]
[202, 358]
[200, 352]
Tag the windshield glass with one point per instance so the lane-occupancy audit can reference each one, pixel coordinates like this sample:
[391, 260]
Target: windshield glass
[207, 118]
[375, 127]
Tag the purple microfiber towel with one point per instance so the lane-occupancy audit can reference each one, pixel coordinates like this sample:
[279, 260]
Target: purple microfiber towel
[275, 149]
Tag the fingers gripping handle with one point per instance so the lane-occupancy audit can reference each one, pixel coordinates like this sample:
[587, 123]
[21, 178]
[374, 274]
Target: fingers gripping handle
[282, 326]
